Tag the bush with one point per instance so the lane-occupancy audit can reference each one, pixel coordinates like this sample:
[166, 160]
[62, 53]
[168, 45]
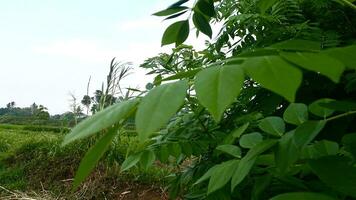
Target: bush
[266, 111]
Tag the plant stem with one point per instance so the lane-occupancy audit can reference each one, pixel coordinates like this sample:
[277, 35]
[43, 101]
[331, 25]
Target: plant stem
[341, 115]
[348, 3]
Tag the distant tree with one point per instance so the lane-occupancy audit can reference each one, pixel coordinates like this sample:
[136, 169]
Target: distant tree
[34, 108]
[42, 113]
[11, 105]
[86, 101]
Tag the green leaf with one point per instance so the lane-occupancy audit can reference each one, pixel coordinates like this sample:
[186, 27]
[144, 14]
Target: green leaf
[320, 149]
[175, 15]
[238, 132]
[273, 125]
[296, 113]
[230, 149]
[316, 62]
[258, 52]
[92, 157]
[242, 171]
[307, 131]
[202, 24]
[235, 134]
[349, 142]
[177, 33]
[147, 159]
[260, 148]
[178, 3]
[187, 148]
[170, 11]
[207, 174]
[344, 106]
[175, 149]
[131, 161]
[261, 183]
[206, 7]
[163, 153]
[222, 175]
[248, 161]
[298, 45]
[217, 87]
[180, 75]
[264, 5]
[101, 120]
[250, 140]
[275, 74]
[158, 106]
[302, 196]
[320, 111]
[336, 172]
[286, 152]
[345, 55]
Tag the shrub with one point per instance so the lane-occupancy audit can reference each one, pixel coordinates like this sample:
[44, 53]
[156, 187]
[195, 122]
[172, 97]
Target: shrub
[266, 111]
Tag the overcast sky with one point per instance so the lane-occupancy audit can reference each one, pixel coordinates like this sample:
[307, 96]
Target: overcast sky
[49, 48]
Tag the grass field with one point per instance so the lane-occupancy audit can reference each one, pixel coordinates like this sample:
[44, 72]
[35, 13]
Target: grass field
[33, 164]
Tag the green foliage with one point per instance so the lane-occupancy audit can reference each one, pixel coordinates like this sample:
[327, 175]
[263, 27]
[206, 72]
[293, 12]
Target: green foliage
[159, 106]
[202, 24]
[216, 123]
[216, 180]
[131, 161]
[349, 142]
[176, 33]
[326, 65]
[34, 157]
[273, 125]
[250, 140]
[344, 54]
[337, 172]
[264, 5]
[230, 149]
[296, 113]
[217, 87]
[302, 195]
[275, 74]
[46, 129]
[307, 131]
[101, 120]
[286, 152]
[170, 11]
[247, 162]
[319, 110]
[93, 156]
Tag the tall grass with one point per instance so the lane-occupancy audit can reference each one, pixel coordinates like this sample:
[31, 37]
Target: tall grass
[35, 161]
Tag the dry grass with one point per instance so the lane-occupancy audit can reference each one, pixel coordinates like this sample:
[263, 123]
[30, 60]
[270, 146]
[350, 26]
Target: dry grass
[6, 194]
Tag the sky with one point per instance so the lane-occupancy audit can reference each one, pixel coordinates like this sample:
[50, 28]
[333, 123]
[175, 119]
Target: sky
[50, 48]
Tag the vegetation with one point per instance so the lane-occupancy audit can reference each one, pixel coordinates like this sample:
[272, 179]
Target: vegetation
[36, 115]
[32, 160]
[266, 111]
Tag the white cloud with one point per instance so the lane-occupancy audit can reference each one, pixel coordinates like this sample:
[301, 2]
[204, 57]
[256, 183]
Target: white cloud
[140, 24]
[80, 49]
[93, 51]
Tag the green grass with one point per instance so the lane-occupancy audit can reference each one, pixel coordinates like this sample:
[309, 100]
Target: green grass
[35, 160]
[13, 139]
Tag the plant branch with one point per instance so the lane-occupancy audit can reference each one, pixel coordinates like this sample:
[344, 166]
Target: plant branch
[341, 115]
